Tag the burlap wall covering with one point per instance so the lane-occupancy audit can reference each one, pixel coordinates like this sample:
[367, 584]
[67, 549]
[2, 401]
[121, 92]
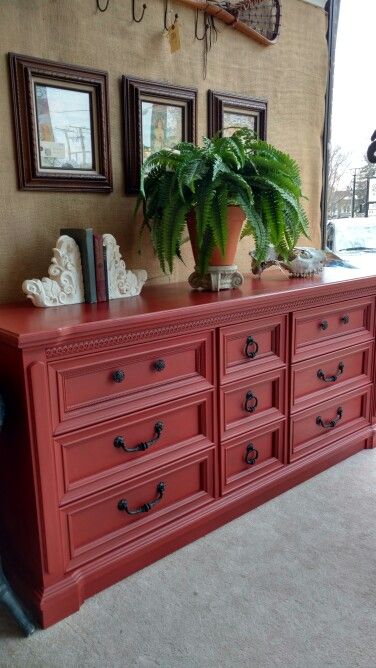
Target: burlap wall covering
[290, 75]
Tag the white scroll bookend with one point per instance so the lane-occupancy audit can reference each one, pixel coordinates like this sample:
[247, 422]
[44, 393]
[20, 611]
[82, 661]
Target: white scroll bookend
[121, 281]
[65, 283]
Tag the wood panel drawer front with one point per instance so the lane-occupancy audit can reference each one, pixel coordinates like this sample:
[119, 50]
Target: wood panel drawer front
[314, 330]
[102, 455]
[130, 379]
[257, 401]
[327, 422]
[252, 347]
[246, 460]
[144, 508]
[327, 375]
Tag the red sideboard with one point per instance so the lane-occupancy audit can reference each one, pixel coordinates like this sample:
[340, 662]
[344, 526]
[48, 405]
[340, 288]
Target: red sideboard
[137, 426]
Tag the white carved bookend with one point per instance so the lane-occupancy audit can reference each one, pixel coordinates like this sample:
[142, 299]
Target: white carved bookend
[121, 281]
[65, 283]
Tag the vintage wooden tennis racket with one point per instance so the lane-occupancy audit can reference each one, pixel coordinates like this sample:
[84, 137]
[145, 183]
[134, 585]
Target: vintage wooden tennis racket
[259, 19]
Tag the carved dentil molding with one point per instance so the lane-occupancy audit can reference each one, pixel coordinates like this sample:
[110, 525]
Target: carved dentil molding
[220, 318]
[121, 281]
[64, 284]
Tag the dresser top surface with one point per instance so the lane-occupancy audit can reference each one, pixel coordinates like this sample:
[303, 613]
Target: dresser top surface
[23, 323]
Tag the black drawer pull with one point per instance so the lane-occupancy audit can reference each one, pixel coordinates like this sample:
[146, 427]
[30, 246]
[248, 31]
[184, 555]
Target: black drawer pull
[251, 353]
[120, 443]
[324, 325]
[345, 319]
[250, 408]
[332, 423]
[251, 454]
[123, 503]
[118, 376]
[159, 365]
[331, 379]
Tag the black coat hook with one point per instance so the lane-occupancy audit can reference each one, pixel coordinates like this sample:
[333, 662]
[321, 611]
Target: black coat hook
[134, 12]
[165, 16]
[103, 9]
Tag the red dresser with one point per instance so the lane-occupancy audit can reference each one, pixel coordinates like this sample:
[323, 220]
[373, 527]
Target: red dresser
[138, 426]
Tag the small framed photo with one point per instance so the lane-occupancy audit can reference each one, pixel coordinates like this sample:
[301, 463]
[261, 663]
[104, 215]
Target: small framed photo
[227, 112]
[156, 116]
[61, 123]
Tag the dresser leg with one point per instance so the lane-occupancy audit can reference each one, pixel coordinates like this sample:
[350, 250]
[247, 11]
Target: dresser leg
[11, 602]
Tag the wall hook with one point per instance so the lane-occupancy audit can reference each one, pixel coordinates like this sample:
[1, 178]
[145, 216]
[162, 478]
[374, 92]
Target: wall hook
[165, 16]
[134, 12]
[103, 9]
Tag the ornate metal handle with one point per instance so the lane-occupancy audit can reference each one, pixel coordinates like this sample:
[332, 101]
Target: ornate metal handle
[118, 376]
[251, 353]
[248, 398]
[331, 379]
[251, 454]
[332, 423]
[123, 503]
[324, 325]
[159, 365]
[120, 443]
[345, 319]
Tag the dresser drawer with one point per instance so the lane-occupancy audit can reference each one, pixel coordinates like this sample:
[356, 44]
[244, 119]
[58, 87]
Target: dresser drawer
[119, 381]
[326, 328]
[258, 345]
[250, 403]
[155, 501]
[327, 422]
[247, 459]
[101, 455]
[327, 375]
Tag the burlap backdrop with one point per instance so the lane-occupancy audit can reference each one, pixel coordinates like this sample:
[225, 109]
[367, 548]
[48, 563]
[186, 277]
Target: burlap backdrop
[290, 75]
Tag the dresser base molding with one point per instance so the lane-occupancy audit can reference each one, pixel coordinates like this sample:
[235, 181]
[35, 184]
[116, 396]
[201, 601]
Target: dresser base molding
[63, 599]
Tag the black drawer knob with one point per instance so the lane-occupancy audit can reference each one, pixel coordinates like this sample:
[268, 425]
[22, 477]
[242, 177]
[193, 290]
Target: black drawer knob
[159, 365]
[251, 454]
[118, 376]
[251, 402]
[251, 348]
[345, 319]
[324, 325]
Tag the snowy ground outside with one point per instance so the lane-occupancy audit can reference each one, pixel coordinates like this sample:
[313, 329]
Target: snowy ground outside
[354, 240]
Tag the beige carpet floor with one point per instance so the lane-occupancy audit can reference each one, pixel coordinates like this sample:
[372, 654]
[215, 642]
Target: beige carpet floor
[291, 584]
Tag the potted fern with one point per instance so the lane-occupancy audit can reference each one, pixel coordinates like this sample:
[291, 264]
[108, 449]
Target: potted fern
[218, 188]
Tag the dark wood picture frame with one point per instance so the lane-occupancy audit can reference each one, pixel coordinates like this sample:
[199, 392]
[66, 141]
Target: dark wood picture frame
[219, 102]
[136, 90]
[24, 73]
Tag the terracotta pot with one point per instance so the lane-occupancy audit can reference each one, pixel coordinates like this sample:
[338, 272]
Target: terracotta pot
[235, 219]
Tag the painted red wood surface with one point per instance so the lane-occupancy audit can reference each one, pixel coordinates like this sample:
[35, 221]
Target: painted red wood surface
[316, 330]
[249, 458]
[350, 411]
[83, 388]
[62, 535]
[252, 346]
[265, 402]
[327, 375]
[89, 459]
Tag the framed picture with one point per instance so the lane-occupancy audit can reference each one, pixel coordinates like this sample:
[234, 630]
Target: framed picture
[156, 116]
[227, 111]
[61, 124]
